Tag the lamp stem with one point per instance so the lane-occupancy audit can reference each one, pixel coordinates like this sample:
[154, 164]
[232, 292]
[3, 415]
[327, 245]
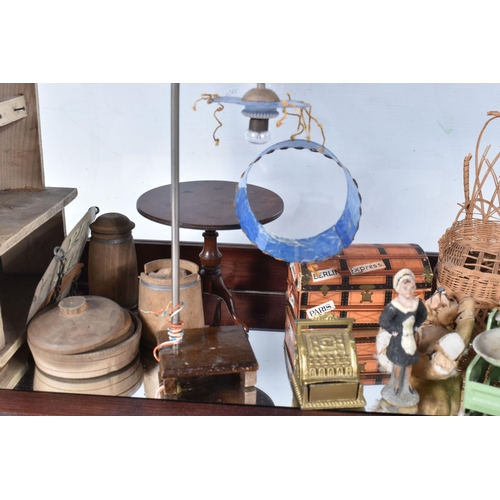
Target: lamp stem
[174, 152]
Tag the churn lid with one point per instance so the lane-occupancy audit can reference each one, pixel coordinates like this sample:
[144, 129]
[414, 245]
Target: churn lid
[80, 324]
[112, 223]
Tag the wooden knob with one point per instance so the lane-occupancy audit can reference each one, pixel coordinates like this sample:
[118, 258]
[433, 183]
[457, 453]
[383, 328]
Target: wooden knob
[71, 306]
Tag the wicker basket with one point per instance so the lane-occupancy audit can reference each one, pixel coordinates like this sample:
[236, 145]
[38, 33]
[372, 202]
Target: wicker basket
[469, 251]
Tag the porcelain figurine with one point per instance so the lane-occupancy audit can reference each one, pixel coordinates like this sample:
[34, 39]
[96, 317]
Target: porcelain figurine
[396, 339]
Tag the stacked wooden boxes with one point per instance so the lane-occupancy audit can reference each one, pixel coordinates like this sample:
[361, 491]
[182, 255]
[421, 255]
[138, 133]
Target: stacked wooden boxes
[356, 284]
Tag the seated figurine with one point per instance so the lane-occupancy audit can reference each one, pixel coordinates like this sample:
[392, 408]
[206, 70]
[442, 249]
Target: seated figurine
[444, 336]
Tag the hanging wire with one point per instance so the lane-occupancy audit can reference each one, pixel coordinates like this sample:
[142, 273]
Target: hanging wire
[302, 111]
[175, 335]
[159, 391]
[175, 329]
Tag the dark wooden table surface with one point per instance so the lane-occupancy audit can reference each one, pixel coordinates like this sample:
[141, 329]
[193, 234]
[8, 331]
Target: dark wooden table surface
[208, 205]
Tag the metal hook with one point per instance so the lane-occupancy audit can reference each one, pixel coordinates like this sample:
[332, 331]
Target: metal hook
[61, 257]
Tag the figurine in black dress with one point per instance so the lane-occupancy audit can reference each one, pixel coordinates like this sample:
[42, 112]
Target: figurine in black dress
[399, 321]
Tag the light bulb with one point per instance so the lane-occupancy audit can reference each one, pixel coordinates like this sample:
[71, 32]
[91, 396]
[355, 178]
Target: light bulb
[256, 137]
[258, 132]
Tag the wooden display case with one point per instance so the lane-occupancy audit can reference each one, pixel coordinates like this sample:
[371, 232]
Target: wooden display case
[32, 215]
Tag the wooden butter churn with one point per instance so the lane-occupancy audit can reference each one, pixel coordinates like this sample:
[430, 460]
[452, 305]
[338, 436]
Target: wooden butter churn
[113, 261]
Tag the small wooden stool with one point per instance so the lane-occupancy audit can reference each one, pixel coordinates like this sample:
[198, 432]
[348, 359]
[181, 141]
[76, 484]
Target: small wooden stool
[220, 353]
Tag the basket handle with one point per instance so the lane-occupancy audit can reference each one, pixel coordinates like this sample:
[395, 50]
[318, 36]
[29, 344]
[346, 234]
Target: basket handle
[478, 202]
[467, 204]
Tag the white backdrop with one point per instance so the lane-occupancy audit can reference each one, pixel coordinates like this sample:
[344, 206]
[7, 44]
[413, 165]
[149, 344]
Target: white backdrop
[403, 143]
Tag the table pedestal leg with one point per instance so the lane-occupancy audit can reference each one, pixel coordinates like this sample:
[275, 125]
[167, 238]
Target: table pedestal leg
[210, 258]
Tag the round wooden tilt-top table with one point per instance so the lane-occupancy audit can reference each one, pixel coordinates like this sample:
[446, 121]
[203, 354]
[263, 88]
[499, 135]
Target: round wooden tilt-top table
[209, 206]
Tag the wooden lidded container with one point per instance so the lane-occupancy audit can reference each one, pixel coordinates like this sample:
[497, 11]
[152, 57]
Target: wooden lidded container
[155, 295]
[113, 261]
[84, 337]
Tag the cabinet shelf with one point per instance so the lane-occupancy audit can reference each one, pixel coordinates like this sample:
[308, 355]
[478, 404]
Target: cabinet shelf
[25, 215]
[24, 211]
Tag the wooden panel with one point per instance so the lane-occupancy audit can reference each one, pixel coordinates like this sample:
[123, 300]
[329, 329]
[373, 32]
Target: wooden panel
[16, 295]
[20, 149]
[261, 310]
[21, 212]
[243, 267]
[44, 403]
